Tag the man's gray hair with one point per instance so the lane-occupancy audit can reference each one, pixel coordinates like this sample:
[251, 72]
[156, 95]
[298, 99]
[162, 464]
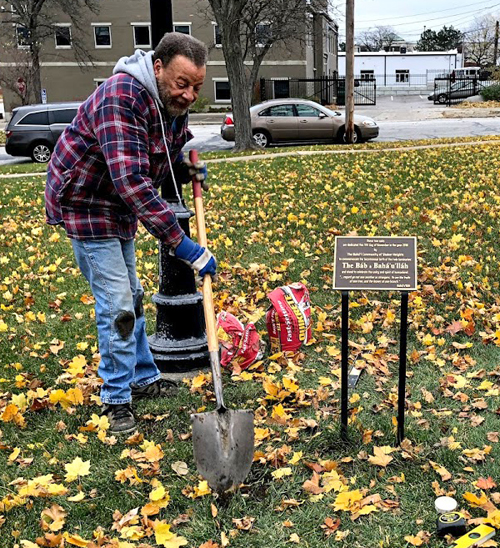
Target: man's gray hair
[177, 43]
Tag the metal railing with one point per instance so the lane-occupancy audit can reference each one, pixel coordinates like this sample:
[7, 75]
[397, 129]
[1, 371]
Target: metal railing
[326, 91]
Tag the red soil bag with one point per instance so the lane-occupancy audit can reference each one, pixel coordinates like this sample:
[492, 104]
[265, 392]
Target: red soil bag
[288, 318]
[240, 344]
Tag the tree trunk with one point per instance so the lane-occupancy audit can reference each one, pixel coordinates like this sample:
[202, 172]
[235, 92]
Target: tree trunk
[36, 78]
[240, 101]
[228, 14]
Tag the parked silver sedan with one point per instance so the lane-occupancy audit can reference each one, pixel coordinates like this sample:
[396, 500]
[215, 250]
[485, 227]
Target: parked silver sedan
[297, 121]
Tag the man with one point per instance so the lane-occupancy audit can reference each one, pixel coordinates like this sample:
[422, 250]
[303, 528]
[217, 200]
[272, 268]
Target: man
[102, 178]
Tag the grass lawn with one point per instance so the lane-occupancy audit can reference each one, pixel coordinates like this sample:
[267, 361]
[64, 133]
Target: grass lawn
[65, 482]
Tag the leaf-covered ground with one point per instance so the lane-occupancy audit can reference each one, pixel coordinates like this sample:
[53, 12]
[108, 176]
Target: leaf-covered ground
[65, 482]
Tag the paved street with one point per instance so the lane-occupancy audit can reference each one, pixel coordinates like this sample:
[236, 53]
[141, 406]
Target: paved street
[207, 137]
[400, 118]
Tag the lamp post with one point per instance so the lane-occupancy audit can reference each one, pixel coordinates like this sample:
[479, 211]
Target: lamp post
[179, 344]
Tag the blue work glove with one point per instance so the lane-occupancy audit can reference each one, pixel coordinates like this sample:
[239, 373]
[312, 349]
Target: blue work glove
[197, 257]
[184, 171]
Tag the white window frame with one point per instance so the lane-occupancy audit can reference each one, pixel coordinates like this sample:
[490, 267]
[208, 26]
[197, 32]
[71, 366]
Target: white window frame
[405, 73]
[70, 36]
[94, 25]
[19, 46]
[217, 44]
[133, 25]
[222, 101]
[262, 23]
[99, 81]
[183, 24]
[274, 80]
[368, 74]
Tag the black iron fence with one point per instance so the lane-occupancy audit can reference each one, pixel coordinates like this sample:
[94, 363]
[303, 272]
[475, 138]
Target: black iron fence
[326, 90]
[449, 91]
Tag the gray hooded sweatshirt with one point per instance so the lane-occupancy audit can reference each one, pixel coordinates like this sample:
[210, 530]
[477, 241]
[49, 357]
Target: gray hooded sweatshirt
[140, 66]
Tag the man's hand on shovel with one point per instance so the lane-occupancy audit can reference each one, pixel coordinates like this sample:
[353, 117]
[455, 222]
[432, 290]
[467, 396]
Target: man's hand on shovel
[198, 170]
[197, 257]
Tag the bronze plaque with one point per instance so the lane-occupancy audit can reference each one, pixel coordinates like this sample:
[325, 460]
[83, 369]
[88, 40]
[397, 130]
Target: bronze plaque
[375, 263]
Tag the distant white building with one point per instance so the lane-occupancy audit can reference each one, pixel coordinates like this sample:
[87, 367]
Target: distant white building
[403, 71]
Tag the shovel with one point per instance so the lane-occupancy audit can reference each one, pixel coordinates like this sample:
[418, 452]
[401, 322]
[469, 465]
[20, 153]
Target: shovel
[223, 440]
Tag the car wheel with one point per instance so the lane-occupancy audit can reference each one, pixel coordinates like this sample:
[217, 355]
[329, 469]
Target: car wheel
[341, 136]
[41, 152]
[262, 138]
[442, 98]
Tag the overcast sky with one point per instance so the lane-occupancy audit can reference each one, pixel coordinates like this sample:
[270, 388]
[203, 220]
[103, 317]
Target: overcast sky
[409, 18]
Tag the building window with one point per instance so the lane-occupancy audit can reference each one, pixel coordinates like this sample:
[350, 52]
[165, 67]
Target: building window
[281, 89]
[184, 28]
[222, 91]
[99, 81]
[102, 35]
[367, 74]
[402, 76]
[62, 36]
[23, 37]
[142, 36]
[262, 34]
[217, 36]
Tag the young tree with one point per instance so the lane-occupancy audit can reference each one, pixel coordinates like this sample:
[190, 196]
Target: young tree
[18, 76]
[479, 41]
[33, 22]
[445, 39]
[248, 30]
[378, 39]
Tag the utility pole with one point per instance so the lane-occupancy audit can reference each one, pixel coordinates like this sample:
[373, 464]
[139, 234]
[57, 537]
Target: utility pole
[495, 50]
[161, 19]
[349, 74]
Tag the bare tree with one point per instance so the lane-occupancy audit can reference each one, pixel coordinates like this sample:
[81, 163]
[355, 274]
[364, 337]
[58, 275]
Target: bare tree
[379, 39]
[34, 22]
[248, 30]
[18, 76]
[479, 41]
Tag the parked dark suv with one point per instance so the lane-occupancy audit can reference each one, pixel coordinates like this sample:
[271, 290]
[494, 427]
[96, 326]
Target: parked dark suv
[34, 129]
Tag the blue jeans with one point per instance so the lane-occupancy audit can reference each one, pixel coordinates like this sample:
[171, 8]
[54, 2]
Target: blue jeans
[109, 267]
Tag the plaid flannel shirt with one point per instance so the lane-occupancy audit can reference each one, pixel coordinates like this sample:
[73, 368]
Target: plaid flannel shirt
[108, 163]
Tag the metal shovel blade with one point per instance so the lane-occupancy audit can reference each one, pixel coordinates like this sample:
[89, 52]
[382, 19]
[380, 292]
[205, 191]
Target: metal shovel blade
[223, 442]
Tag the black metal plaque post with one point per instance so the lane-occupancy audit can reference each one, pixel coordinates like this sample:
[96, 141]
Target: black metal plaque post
[375, 263]
[344, 390]
[402, 366]
[179, 344]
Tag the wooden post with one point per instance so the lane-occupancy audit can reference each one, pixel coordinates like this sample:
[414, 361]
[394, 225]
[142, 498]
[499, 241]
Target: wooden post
[495, 51]
[349, 76]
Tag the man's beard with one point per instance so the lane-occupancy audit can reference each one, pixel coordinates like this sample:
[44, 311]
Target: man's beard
[169, 103]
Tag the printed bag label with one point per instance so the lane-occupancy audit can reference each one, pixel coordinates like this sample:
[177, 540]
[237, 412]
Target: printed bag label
[288, 318]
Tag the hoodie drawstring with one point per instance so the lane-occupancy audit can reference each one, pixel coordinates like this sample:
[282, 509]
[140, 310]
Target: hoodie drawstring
[179, 199]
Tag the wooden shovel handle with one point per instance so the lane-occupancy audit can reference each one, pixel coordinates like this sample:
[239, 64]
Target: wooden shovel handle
[208, 301]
